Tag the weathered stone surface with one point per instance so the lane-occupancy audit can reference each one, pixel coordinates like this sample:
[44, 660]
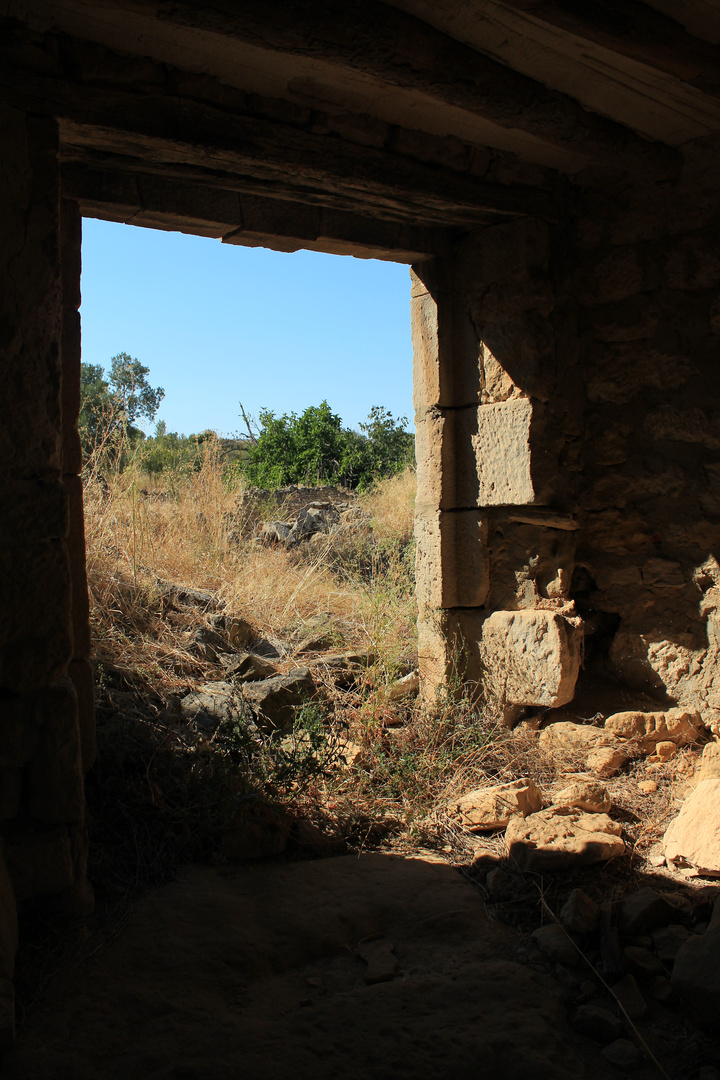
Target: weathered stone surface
[211, 704]
[345, 667]
[579, 914]
[709, 768]
[275, 701]
[667, 941]
[502, 453]
[622, 1053]
[597, 1023]
[247, 667]
[678, 726]
[557, 839]
[576, 741]
[628, 994]
[78, 570]
[35, 507]
[555, 943]
[606, 761]
[641, 963]
[8, 923]
[585, 795]
[382, 963]
[643, 911]
[452, 559]
[486, 809]
[696, 978]
[694, 836]
[530, 657]
[55, 777]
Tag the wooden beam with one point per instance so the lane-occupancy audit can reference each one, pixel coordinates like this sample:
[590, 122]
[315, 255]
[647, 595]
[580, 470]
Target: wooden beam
[160, 202]
[634, 30]
[400, 50]
[166, 130]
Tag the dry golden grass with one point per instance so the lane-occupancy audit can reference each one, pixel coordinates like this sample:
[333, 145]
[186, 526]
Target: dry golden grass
[141, 534]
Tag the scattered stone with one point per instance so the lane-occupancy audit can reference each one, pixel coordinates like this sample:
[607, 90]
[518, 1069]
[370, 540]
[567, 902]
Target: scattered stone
[668, 940]
[656, 859]
[696, 977]
[607, 761]
[559, 838]
[588, 989]
[600, 751]
[240, 633]
[623, 1054]
[207, 644]
[641, 962]
[709, 763]
[247, 667]
[555, 944]
[500, 885]
[211, 704]
[694, 836]
[597, 1023]
[254, 838]
[405, 687]
[355, 755]
[345, 667]
[551, 650]
[585, 795]
[646, 787]
[664, 751]
[381, 961]
[628, 994]
[275, 701]
[644, 911]
[491, 808]
[579, 913]
[661, 989]
[318, 839]
[679, 726]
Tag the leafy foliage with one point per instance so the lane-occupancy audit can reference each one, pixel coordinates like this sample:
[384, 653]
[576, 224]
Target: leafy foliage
[313, 446]
[110, 405]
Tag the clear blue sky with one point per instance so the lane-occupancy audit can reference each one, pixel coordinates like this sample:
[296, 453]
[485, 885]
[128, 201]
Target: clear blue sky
[217, 324]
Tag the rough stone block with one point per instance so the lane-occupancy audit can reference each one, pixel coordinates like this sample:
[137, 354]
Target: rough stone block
[490, 808]
[70, 266]
[502, 453]
[19, 720]
[35, 634]
[530, 657]
[81, 673]
[55, 780]
[451, 564]
[694, 836]
[561, 839]
[678, 726]
[8, 923]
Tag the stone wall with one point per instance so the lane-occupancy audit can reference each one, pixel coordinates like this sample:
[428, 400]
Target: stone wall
[569, 452]
[647, 285]
[45, 680]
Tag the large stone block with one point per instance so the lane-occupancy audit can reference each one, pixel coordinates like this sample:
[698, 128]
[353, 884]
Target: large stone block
[55, 778]
[451, 565]
[502, 453]
[530, 657]
[19, 722]
[35, 631]
[70, 265]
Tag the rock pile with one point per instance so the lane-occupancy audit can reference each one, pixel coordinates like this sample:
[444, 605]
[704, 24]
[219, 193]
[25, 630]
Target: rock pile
[294, 514]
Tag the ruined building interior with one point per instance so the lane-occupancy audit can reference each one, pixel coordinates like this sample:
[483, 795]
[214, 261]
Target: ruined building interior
[548, 170]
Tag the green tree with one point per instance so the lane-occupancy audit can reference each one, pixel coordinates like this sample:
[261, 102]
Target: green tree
[110, 404]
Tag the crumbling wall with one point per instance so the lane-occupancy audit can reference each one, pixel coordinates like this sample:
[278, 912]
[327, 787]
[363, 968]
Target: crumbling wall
[45, 681]
[647, 284]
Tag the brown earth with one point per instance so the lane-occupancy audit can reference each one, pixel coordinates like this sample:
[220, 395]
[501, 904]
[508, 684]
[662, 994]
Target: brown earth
[258, 971]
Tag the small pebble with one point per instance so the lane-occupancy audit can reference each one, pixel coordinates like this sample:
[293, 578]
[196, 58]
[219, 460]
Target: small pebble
[647, 786]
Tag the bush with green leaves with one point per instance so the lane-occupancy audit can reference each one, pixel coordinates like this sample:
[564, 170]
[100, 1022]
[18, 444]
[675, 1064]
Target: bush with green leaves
[314, 447]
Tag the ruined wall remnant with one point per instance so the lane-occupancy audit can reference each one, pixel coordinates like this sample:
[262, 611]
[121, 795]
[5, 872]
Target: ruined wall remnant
[498, 417]
[46, 700]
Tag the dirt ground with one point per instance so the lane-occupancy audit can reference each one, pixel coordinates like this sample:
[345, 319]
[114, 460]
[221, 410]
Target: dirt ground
[261, 971]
